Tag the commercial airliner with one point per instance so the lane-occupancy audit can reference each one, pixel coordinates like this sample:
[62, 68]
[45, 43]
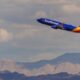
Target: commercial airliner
[59, 25]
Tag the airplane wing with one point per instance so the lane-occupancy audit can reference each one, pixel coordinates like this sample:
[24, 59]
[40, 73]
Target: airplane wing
[57, 26]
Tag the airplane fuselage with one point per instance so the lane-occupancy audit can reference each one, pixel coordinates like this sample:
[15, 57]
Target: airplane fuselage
[58, 25]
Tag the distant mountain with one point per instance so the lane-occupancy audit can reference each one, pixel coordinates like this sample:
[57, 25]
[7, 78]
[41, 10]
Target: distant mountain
[16, 76]
[66, 63]
[53, 69]
[68, 57]
[9, 65]
[68, 67]
[59, 76]
[6, 75]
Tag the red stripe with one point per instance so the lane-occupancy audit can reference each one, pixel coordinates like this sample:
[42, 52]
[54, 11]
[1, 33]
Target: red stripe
[77, 31]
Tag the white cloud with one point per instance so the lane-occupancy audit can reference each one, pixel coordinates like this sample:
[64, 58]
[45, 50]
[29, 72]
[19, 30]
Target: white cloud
[5, 35]
[71, 8]
[40, 14]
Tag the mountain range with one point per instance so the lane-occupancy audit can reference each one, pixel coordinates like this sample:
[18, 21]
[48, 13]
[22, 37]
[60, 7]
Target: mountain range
[68, 62]
[16, 76]
[68, 57]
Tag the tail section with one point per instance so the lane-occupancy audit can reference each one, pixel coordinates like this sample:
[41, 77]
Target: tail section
[77, 29]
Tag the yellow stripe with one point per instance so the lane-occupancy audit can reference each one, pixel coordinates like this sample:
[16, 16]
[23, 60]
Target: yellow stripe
[76, 29]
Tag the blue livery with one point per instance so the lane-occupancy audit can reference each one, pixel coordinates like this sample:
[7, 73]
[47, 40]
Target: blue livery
[59, 25]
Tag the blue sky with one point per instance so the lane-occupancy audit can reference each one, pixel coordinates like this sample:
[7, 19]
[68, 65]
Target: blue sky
[23, 39]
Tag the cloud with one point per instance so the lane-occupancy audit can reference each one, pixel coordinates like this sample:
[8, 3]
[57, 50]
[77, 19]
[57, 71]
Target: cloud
[50, 1]
[5, 35]
[23, 11]
[42, 56]
[19, 17]
[73, 9]
[39, 42]
[23, 2]
[40, 14]
[29, 30]
[25, 31]
[44, 2]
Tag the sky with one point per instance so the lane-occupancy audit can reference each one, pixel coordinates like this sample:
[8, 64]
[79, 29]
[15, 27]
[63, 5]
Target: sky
[23, 39]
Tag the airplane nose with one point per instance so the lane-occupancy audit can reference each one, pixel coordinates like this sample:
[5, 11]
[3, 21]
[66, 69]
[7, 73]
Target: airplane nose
[39, 20]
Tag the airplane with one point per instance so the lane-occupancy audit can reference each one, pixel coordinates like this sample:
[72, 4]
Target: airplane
[59, 25]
